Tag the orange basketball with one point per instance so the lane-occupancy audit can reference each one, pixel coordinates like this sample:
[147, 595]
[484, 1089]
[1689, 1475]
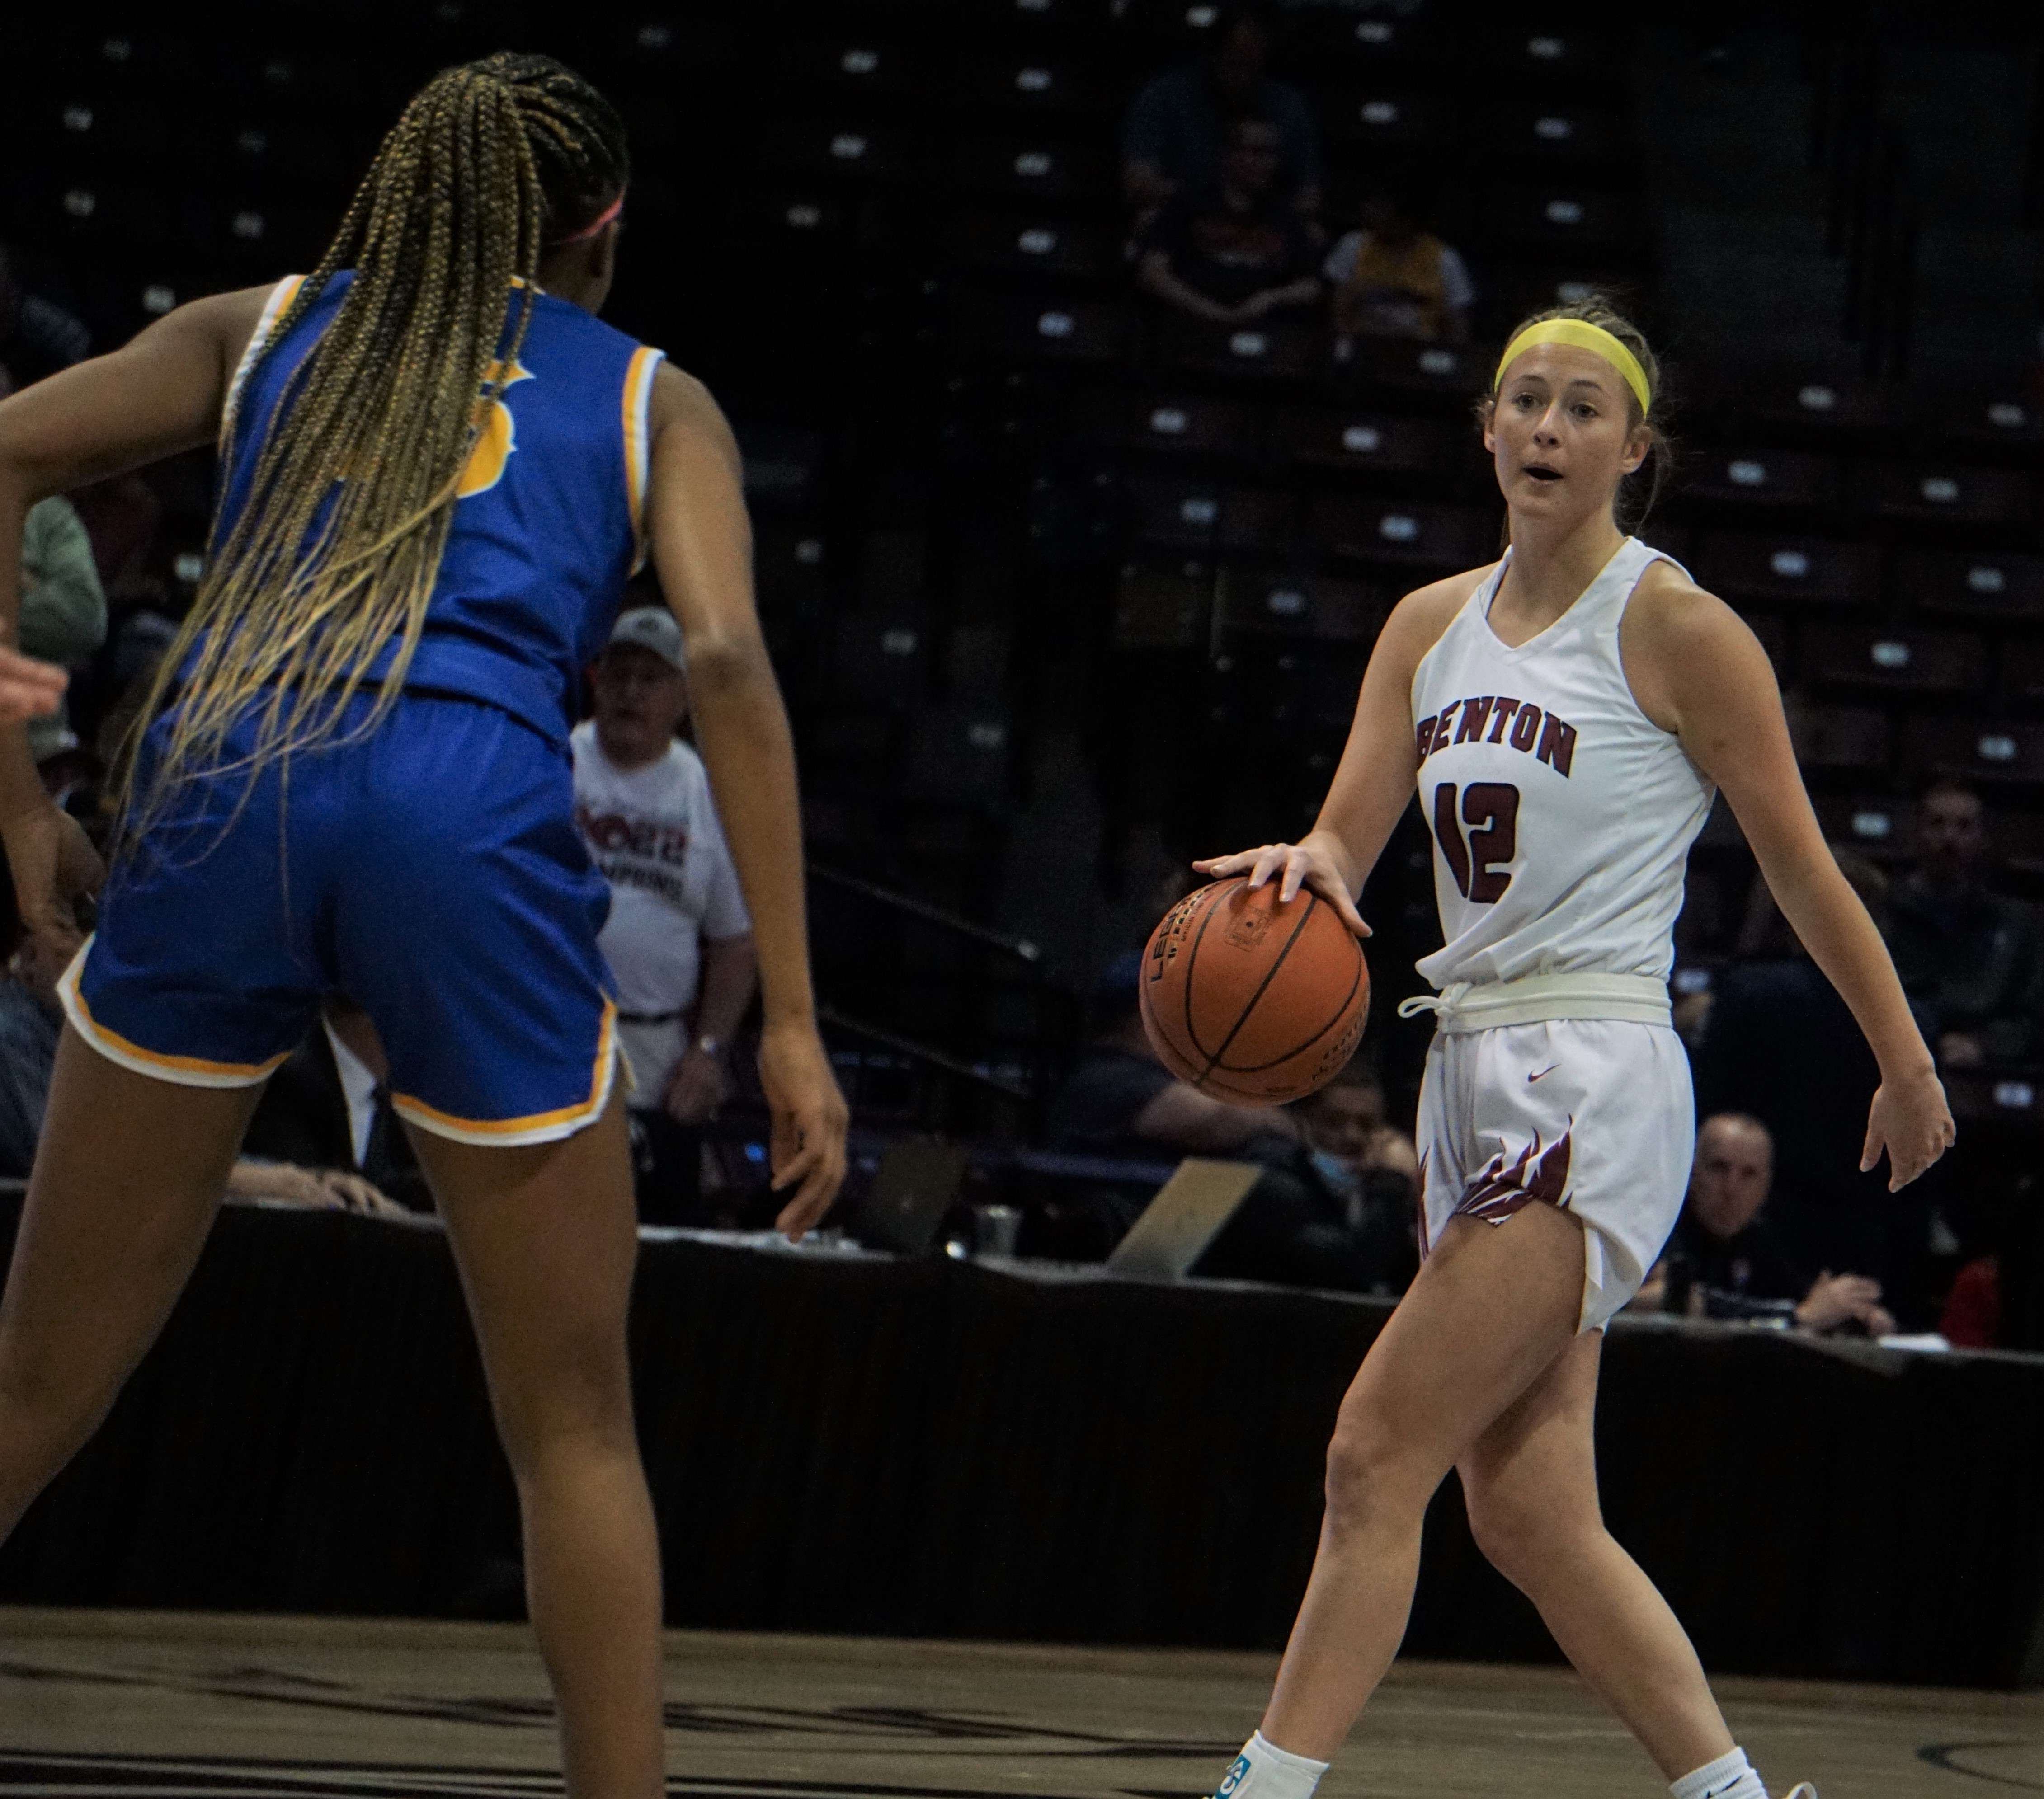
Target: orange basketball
[1251, 1001]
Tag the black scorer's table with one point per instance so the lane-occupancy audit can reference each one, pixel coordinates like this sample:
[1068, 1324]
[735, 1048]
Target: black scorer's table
[849, 1443]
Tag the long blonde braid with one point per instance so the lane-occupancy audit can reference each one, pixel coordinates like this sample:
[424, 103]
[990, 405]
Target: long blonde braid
[337, 548]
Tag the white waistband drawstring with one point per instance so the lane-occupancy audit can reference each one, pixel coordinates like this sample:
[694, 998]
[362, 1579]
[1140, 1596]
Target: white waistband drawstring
[1463, 1005]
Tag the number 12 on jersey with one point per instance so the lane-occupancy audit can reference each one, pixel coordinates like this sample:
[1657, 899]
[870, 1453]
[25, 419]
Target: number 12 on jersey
[1491, 809]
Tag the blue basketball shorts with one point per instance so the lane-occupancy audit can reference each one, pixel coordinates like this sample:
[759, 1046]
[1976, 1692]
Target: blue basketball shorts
[430, 871]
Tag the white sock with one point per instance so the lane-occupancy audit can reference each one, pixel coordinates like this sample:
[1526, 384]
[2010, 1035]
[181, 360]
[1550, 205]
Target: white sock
[1264, 1771]
[1729, 1777]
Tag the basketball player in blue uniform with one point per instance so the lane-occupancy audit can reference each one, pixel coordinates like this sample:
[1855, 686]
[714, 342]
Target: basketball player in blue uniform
[439, 469]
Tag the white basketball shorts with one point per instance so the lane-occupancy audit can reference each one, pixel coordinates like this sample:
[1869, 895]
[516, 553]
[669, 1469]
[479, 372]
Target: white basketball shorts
[1594, 1115]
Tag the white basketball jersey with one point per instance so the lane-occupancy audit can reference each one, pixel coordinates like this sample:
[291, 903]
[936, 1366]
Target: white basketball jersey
[1561, 814]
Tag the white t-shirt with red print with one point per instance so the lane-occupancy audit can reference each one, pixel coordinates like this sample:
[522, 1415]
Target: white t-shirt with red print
[653, 832]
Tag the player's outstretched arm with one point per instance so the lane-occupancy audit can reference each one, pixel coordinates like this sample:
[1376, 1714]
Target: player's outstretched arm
[1698, 671]
[1373, 783]
[157, 395]
[702, 548]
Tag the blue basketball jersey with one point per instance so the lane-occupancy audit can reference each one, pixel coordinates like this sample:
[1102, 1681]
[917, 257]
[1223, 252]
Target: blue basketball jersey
[550, 521]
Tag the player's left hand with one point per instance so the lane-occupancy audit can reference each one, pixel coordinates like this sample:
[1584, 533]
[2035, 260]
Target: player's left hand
[810, 1116]
[1909, 1119]
[54, 866]
[29, 689]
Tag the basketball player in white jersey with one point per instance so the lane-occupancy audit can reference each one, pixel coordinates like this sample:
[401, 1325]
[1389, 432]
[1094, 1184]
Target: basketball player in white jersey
[1568, 714]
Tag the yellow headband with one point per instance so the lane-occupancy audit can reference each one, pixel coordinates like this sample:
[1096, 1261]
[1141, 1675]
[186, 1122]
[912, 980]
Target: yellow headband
[1578, 334]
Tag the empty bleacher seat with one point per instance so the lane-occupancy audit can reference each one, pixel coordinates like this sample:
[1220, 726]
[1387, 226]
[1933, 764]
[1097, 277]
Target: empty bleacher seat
[1125, 422]
[1946, 664]
[1369, 123]
[1028, 86]
[1852, 740]
[2000, 417]
[855, 66]
[959, 753]
[1454, 373]
[1317, 607]
[1799, 405]
[1875, 825]
[1987, 584]
[1034, 169]
[1558, 132]
[1779, 569]
[879, 662]
[843, 150]
[1946, 494]
[1282, 347]
[1005, 329]
[1558, 217]
[1164, 606]
[1401, 534]
[2021, 670]
[1033, 246]
[1210, 515]
[2004, 753]
[1786, 480]
[1346, 438]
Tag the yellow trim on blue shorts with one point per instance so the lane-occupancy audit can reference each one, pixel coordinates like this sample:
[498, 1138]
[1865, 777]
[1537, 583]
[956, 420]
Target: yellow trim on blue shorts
[536, 1127]
[182, 1070]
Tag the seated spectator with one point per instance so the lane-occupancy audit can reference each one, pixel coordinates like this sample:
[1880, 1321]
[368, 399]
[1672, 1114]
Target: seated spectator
[1726, 1257]
[1239, 253]
[31, 1020]
[37, 336]
[329, 1107]
[62, 618]
[1173, 141]
[1120, 1100]
[1392, 277]
[679, 941]
[1780, 1044]
[1971, 961]
[1334, 1208]
[1365, 1176]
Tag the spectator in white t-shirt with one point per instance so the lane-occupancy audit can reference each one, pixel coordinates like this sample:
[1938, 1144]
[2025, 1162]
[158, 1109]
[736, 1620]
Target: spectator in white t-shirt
[679, 941]
[1394, 278]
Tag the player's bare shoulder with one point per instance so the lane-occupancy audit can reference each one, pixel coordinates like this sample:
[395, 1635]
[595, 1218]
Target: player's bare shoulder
[1675, 632]
[1418, 620]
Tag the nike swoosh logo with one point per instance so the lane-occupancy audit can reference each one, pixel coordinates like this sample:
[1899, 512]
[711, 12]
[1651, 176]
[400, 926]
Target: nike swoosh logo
[1548, 1070]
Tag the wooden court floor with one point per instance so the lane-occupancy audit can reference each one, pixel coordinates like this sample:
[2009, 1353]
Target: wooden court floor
[106, 1703]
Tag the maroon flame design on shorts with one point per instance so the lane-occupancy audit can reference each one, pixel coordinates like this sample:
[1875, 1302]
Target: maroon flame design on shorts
[1501, 1189]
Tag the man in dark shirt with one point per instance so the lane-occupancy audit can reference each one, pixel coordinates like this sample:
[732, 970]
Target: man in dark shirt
[1173, 140]
[1971, 961]
[1237, 253]
[1725, 1249]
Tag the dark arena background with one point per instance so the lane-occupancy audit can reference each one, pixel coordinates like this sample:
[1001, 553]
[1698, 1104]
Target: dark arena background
[1066, 583]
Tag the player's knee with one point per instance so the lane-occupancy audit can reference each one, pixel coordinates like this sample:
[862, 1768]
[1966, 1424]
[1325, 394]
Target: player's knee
[575, 1402]
[1521, 1535]
[1368, 1474]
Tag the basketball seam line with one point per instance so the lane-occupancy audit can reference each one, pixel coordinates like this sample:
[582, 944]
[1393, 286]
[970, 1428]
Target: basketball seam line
[1242, 1018]
[1355, 981]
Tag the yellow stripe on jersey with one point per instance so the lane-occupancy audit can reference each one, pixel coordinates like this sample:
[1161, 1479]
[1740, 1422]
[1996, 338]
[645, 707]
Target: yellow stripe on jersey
[638, 450]
[274, 309]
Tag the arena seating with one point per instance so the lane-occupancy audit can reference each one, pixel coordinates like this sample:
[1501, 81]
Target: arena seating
[900, 262]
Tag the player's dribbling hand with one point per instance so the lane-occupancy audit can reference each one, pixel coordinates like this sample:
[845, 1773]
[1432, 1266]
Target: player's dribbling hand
[54, 866]
[29, 689]
[809, 1119]
[1910, 1119]
[1313, 862]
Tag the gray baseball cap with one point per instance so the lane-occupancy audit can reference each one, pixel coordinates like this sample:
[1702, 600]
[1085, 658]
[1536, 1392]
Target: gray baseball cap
[650, 627]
